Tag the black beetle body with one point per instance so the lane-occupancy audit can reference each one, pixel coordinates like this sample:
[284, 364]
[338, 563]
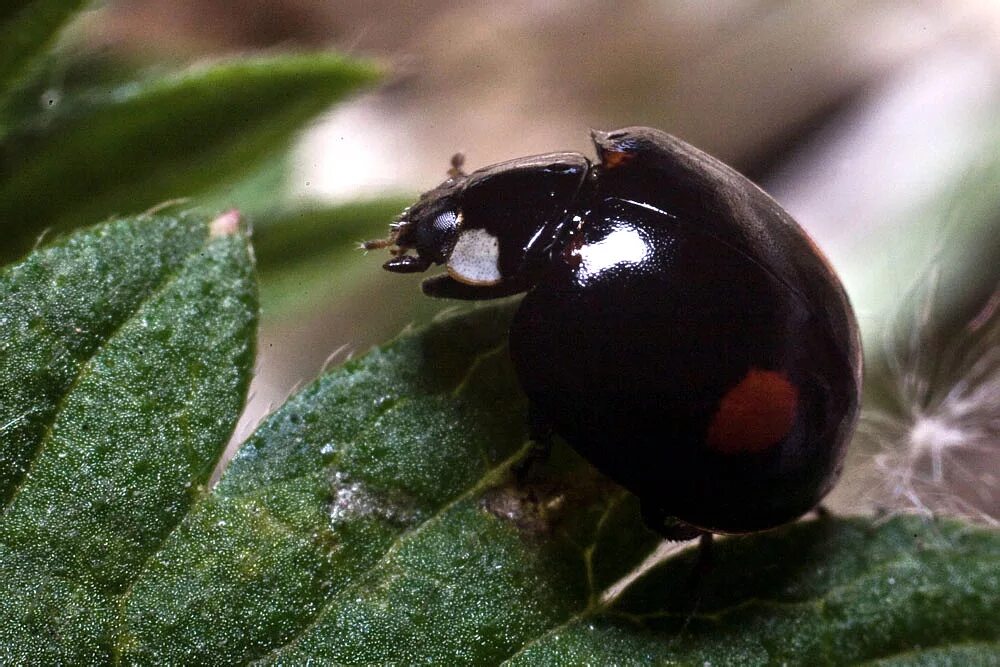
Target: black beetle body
[679, 330]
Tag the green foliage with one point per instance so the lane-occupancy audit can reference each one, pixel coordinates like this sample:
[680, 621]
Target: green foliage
[27, 27]
[303, 252]
[827, 592]
[84, 137]
[304, 233]
[125, 358]
[375, 518]
[130, 147]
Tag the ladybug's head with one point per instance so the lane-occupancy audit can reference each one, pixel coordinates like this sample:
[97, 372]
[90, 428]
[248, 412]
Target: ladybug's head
[429, 227]
[489, 227]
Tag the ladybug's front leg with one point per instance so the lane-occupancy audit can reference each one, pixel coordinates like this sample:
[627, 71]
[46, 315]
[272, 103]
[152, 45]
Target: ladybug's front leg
[445, 287]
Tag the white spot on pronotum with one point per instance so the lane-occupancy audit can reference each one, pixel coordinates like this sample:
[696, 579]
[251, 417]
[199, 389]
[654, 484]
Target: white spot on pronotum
[475, 259]
[225, 225]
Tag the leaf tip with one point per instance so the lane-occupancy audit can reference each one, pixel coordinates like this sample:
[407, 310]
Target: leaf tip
[226, 224]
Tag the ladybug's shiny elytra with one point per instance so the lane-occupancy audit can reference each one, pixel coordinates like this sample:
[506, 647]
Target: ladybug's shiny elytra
[679, 330]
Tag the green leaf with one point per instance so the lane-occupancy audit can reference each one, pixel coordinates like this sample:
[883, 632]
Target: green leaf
[309, 253]
[827, 592]
[125, 355]
[394, 469]
[376, 517]
[256, 192]
[141, 143]
[27, 27]
[60, 74]
[289, 236]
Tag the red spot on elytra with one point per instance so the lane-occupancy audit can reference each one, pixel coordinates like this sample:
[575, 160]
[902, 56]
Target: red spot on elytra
[755, 414]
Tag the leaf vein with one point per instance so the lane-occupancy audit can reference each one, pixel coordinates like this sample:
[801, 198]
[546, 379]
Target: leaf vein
[718, 616]
[363, 429]
[474, 366]
[489, 478]
[992, 646]
[263, 514]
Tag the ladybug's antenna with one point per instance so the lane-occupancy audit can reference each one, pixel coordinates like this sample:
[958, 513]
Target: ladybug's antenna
[389, 241]
[377, 244]
[457, 160]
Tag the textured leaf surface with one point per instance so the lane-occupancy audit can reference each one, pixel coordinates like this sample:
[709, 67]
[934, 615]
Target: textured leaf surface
[130, 148]
[27, 27]
[125, 354]
[376, 517]
[388, 476]
[828, 592]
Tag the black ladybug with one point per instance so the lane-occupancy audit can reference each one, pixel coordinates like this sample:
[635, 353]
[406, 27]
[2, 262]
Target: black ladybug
[679, 330]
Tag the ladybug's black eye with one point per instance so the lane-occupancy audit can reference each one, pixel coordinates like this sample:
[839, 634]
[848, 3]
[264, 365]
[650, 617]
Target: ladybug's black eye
[436, 238]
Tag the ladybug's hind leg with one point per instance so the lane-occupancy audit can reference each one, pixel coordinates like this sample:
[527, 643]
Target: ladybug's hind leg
[540, 432]
[697, 580]
[677, 531]
[823, 513]
[666, 525]
[706, 555]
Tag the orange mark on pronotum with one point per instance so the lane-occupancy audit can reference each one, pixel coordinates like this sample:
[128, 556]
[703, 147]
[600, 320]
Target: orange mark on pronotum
[755, 414]
[613, 159]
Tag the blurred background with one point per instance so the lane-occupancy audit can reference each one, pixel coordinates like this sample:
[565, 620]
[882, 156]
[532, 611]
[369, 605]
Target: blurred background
[875, 122]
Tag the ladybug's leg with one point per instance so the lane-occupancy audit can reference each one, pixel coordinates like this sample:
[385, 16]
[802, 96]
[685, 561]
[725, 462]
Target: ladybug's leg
[706, 555]
[404, 263]
[666, 525]
[445, 287]
[677, 531]
[540, 431]
[695, 586]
